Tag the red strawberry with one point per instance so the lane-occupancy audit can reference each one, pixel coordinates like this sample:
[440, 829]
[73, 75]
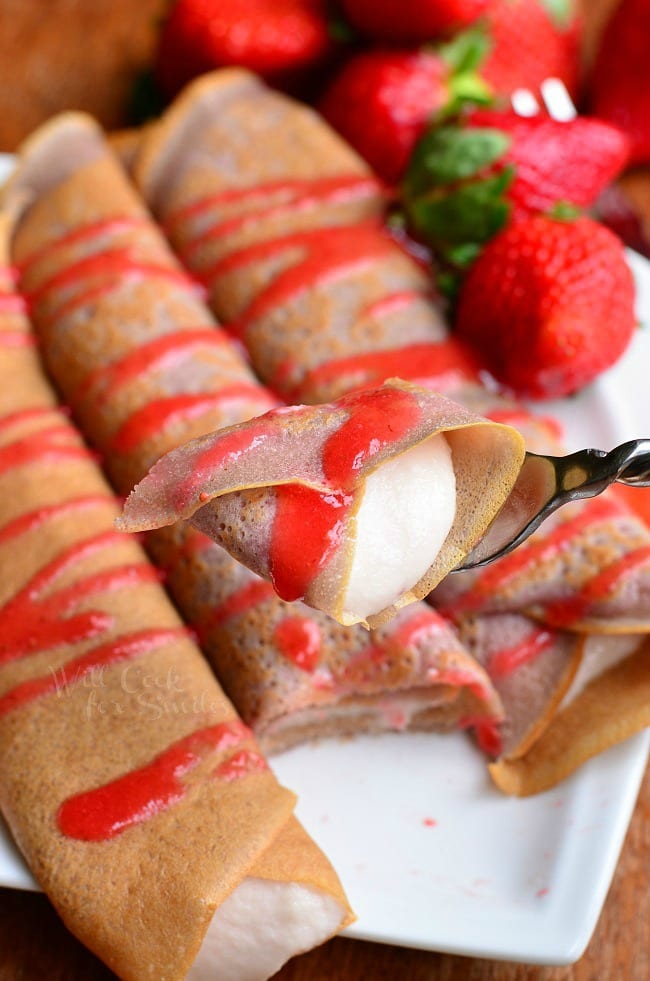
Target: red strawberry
[532, 40]
[381, 101]
[276, 38]
[466, 180]
[549, 305]
[404, 21]
[620, 86]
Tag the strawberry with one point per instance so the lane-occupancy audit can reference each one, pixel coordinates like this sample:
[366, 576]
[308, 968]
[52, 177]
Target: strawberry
[620, 85]
[466, 180]
[532, 40]
[382, 100]
[408, 21]
[276, 38]
[549, 305]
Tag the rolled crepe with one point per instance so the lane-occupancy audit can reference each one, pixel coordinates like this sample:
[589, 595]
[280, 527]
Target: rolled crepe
[357, 507]
[608, 701]
[567, 696]
[139, 799]
[587, 569]
[144, 367]
[290, 243]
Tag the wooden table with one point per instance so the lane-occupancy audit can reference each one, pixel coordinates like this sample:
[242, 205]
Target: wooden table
[35, 946]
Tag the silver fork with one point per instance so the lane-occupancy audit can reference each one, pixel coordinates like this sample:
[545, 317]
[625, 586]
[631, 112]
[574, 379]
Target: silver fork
[545, 483]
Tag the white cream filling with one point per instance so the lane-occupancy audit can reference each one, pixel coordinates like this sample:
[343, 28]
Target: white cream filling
[601, 652]
[260, 926]
[406, 512]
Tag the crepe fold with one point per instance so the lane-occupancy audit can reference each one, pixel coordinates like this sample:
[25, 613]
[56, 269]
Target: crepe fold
[568, 694]
[301, 473]
[290, 243]
[587, 568]
[139, 799]
[145, 368]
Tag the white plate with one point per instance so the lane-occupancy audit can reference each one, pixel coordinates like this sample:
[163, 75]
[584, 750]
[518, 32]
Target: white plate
[431, 855]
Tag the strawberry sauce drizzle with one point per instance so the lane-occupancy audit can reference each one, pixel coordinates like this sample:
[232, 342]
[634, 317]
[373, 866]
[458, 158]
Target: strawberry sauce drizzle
[106, 811]
[299, 641]
[293, 193]
[299, 196]
[160, 353]
[322, 256]
[506, 660]
[125, 648]
[308, 525]
[34, 622]
[40, 516]
[442, 366]
[154, 417]
[241, 601]
[105, 227]
[42, 447]
[600, 588]
[527, 556]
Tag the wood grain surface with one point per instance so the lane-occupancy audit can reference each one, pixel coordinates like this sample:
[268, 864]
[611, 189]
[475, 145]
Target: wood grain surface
[34, 945]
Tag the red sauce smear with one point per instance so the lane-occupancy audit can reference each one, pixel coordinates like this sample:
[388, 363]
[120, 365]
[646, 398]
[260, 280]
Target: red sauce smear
[323, 256]
[240, 765]
[16, 339]
[375, 422]
[440, 366]
[40, 516]
[57, 682]
[154, 417]
[421, 625]
[139, 795]
[487, 732]
[299, 641]
[118, 264]
[506, 660]
[227, 450]
[527, 556]
[12, 303]
[601, 587]
[307, 530]
[31, 621]
[83, 234]
[241, 601]
[161, 352]
[296, 193]
[43, 447]
[308, 525]
[302, 196]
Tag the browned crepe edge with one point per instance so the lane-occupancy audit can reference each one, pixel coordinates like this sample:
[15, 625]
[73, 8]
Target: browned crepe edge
[611, 708]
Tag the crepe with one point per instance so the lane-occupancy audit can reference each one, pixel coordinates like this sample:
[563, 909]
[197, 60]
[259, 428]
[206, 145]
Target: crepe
[290, 243]
[143, 365]
[587, 569]
[139, 799]
[317, 499]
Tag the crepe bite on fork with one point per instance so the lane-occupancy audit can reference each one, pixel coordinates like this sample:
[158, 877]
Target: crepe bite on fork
[356, 507]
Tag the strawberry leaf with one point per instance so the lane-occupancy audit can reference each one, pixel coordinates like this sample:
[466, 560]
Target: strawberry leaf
[561, 12]
[456, 224]
[466, 51]
[448, 154]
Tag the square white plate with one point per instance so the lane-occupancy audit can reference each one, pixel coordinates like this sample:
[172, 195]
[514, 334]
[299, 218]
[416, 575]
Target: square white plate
[433, 856]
